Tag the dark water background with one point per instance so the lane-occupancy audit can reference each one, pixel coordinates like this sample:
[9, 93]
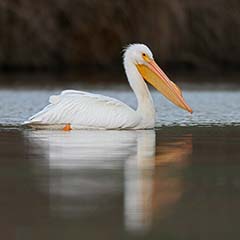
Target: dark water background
[179, 181]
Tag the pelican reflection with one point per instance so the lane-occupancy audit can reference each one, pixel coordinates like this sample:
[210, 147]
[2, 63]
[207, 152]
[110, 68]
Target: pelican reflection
[91, 166]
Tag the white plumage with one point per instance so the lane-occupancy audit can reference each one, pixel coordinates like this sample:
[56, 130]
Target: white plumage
[82, 110]
[85, 110]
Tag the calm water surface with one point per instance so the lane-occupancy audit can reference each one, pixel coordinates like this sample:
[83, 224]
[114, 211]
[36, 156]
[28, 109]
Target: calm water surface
[215, 107]
[180, 181]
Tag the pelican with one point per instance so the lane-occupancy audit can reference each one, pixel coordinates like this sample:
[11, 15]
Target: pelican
[81, 110]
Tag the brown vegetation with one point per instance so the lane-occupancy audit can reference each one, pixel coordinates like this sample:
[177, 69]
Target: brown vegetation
[50, 33]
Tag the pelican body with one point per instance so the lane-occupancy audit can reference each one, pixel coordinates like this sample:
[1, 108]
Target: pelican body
[81, 110]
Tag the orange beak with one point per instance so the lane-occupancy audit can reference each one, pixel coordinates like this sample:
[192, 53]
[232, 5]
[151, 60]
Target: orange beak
[153, 74]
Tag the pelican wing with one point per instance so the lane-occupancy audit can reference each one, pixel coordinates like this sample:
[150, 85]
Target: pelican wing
[86, 110]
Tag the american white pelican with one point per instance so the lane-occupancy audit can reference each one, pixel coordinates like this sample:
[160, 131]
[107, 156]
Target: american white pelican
[78, 110]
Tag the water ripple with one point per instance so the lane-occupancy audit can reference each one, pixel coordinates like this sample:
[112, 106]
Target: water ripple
[210, 107]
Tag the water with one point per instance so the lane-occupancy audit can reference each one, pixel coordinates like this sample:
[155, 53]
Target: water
[210, 107]
[179, 181]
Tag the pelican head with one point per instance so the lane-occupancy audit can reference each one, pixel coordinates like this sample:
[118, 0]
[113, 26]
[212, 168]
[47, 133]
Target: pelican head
[140, 57]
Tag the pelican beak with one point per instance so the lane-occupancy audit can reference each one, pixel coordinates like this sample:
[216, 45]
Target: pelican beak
[153, 74]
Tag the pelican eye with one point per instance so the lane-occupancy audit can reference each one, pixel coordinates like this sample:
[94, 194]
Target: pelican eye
[145, 57]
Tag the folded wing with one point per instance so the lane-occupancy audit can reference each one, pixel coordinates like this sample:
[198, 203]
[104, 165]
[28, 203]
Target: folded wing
[86, 110]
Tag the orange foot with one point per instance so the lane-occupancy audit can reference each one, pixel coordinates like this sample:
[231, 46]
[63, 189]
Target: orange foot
[67, 127]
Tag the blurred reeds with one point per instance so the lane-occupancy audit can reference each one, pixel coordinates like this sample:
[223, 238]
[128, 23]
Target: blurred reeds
[79, 33]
